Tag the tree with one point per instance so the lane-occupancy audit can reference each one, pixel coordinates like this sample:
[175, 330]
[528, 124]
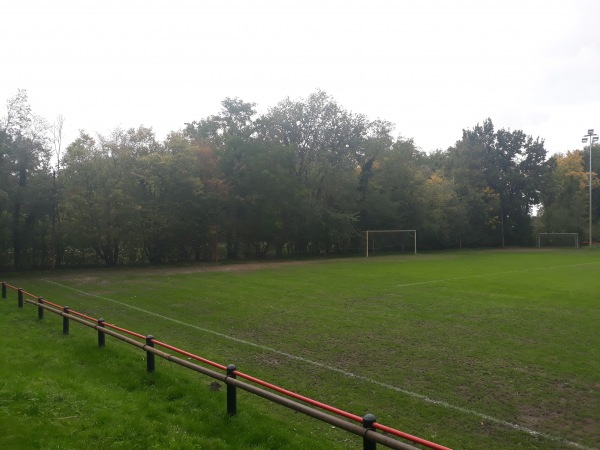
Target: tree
[5, 189]
[99, 211]
[180, 193]
[595, 185]
[444, 213]
[478, 204]
[510, 164]
[328, 144]
[57, 138]
[566, 197]
[236, 118]
[25, 162]
[263, 196]
[392, 187]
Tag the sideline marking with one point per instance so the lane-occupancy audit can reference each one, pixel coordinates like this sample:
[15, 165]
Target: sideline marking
[493, 273]
[408, 393]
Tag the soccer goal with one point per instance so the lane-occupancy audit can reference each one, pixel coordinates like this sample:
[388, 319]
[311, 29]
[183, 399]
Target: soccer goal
[545, 240]
[381, 241]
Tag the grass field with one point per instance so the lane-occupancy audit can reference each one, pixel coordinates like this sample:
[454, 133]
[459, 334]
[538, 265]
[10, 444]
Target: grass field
[472, 349]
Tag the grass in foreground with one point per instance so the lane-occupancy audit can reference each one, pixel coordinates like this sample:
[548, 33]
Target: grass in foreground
[506, 341]
[60, 392]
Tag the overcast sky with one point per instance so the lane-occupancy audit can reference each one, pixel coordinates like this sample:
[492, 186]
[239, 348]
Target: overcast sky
[432, 67]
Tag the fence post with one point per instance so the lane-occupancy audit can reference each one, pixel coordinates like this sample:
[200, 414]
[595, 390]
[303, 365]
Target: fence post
[65, 320]
[20, 297]
[101, 335]
[231, 391]
[368, 421]
[40, 308]
[149, 355]
[4, 289]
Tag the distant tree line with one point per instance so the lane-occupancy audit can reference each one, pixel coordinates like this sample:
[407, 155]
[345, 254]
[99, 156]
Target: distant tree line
[305, 178]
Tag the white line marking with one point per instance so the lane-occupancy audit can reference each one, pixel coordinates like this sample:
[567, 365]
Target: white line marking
[493, 273]
[343, 372]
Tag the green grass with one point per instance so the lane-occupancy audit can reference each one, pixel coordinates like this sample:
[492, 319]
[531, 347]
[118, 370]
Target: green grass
[60, 392]
[469, 349]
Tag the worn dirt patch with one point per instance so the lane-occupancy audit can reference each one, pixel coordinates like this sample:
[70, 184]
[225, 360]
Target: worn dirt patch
[96, 275]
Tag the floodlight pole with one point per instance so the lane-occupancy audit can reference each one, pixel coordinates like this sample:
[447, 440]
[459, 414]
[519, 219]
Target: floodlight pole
[592, 138]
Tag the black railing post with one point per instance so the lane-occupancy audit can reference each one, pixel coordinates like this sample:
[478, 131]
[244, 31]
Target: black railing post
[20, 297]
[40, 308]
[231, 391]
[149, 355]
[101, 335]
[368, 422]
[65, 320]
[4, 289]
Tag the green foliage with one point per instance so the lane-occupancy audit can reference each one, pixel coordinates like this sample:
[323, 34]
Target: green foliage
[306, 177]
[327, 142]
[235, 119]
[25, 184]
[263, 195]
[566, 197]
[503, 165]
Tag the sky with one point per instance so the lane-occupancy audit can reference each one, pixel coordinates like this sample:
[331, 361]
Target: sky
[431, 67]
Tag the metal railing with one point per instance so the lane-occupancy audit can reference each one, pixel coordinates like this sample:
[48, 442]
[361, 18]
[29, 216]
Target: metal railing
[365, 427]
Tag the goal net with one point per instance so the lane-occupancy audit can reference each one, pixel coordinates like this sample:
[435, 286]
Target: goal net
[545, 240]
[390, 241]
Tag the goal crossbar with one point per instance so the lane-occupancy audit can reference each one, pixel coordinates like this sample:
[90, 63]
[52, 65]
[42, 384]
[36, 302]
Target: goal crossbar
[413, 235]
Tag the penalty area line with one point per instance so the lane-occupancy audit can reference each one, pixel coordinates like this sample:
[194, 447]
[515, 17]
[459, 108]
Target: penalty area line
[406, 392]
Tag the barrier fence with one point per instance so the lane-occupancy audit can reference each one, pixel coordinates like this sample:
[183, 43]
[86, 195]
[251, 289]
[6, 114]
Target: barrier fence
[367, 428]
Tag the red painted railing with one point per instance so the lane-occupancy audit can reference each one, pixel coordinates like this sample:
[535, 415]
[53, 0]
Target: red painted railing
[231, 373]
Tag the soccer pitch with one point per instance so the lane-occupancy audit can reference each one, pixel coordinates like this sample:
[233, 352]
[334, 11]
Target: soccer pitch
[471, 349]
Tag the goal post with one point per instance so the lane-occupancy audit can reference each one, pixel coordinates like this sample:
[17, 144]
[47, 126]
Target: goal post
[558, 240]
[410, 235]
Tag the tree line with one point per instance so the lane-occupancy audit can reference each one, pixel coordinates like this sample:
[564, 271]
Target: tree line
[305, 178]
